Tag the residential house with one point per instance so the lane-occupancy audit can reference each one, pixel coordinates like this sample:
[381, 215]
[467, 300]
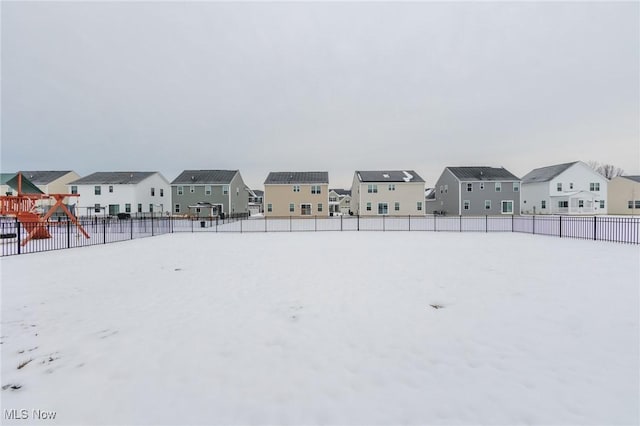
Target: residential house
[475, 191]
[569, 188]
[387, 192]
[52, 182]
[210, 193]
[339, 201]
[296, 194]
[624, 195]
[255, 202]
[112, 193]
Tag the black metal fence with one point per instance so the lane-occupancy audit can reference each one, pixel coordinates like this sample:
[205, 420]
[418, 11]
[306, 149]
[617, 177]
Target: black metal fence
[64, 234]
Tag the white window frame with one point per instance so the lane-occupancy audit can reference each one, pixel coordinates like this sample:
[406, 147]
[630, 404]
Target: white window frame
[466, 205]
[372, 189]
[180, 190]
[192, 189]
[487, 204]
[594, 187]
[482, 185]
[316, 189]
[396, 206]
[176, 208]
[502, 204]
[208, 189]
[469, 187]
[385, 207]
[419, 206]
[97, 190]
[516, 186]
[368, 206]
[292, 207]
[392, 187]
[498, 186]
[302, 209]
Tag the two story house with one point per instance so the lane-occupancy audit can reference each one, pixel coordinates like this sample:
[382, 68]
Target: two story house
[210, 193]
[387, 192]
[339, 201]
[475, 191]
[111, 193]
[52, 182]
[624, 195]
[568, 188]
[297, 194]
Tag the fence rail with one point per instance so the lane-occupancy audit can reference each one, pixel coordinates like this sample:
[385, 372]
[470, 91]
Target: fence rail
[107, 230]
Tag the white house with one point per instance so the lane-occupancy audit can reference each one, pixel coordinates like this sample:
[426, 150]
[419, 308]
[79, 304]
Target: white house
[569, 188]
[111, 193]
[392, 192]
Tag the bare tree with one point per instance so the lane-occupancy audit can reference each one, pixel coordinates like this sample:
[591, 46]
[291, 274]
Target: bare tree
[607, 170]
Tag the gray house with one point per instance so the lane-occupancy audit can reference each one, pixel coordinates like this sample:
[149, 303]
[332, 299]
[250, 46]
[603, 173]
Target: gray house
[209, 193]
[475, 191]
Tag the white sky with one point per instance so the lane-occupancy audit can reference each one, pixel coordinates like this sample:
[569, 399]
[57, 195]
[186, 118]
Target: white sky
[335, 87]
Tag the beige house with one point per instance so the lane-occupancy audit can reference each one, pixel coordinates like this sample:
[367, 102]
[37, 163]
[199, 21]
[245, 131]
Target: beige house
[52, 182]
[296, 194]
[624, 195]
[393, 193]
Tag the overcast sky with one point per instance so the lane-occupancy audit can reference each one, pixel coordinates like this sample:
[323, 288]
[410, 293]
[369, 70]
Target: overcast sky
[337, 87]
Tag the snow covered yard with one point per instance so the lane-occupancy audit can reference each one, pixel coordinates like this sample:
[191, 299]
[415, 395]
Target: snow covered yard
[324, 328]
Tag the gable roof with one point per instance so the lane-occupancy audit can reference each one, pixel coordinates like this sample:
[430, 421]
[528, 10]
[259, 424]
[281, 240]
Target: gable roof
[202, 177]
[284, 178]
[114, 178]
[545, 174]
[388, 176]
[633, 178]
[482, 173]
[341, 192]
[44, 177]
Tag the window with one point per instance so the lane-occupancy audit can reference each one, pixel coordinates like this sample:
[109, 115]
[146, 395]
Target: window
[630, 204]
[637, 204]
[396, 206]
[507, 207]
[594, 186]
[319, 207]
[127, 208]
[368, 207]
[161, 192]
[446, 189]
[581, 203]
[441, 189]
[392, 187]
[466, 204]
[305, 209]
[96, 207]
[481, 185]
[207, 190]
[315, 189]
[270, 207]
[74, 189]
[180, 190]
[543, 204]
[292, 207]
[487, 204]
[176, 208]
[111, 188]
[602, 204]
[192, 189]
[225, 189]
[559, 186]
[516, 186]
[372, 189]
[498, 186]
[151, 208]
[153, 192]
[563, 204]
[383, 208]
[469, 187]
[139, 207]
[333, 199]
[419, 206]
[97, 190]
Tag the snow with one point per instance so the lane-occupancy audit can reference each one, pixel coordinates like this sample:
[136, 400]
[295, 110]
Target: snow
[325, 328]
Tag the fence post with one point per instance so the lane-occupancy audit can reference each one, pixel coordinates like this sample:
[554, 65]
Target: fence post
[460, 223]
[358, 221]
[290, 227]
[131, 221]
[104, 230]
[19, 232]
[241, 219]
[68, 234]
[340, 223]
[435, 228]
[315, 223]
[409, 222]
[265, 224]
[152, 224]
[595, 228]
[560, 226]
[383, 224]
[486, 223]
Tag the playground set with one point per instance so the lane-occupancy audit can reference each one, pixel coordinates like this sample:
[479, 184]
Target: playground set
[24, 207]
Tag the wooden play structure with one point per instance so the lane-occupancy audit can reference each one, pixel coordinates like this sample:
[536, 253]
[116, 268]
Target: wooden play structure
[23, 206]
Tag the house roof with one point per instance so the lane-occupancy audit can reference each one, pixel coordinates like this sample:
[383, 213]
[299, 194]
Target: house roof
[115, 178]
[341, 192]
[258, 192]
[388, 176]
[545, 174]
[44, 177]
[283, 178]
[633, 178]
[190, 177]
[482, 173]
